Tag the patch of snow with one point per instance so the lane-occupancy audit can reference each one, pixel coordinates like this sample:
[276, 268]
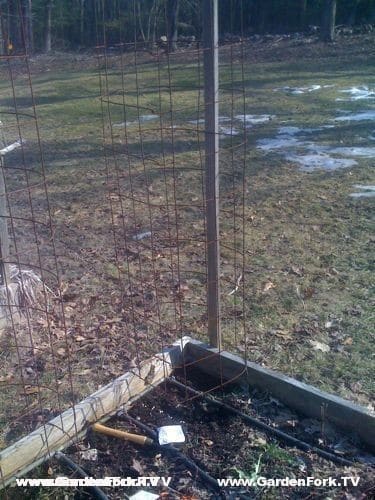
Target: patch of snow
[357, 93]
[310, 155]
[142, 119]
[362, 116]
[366, 191]
[302, 90]
[148, 118]
[290, 130]
[254, 119]
[224, 119]
[363, 152]
[279, 142]
[309, 162]
[197, 122]
[225, 131]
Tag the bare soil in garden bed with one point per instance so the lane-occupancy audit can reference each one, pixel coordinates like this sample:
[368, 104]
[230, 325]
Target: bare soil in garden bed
[223, 445]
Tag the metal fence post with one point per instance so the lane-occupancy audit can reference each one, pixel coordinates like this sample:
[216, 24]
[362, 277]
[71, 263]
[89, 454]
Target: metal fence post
[211, 98]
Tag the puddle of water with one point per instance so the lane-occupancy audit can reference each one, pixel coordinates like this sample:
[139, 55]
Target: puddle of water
[254, 119]
[363, 115]
[366, 191]
[357, 93]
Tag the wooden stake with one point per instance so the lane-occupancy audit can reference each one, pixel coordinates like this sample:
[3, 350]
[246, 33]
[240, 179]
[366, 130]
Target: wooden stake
[211, 98]
[72, 425]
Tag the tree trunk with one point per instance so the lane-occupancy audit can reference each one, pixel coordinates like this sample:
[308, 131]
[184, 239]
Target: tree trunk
[328, 21]
[302, 18]
[2, 36]
[48, 34]
[27, 26]
[13, 42]
[352, 14]
[82, 23]
[172, 15]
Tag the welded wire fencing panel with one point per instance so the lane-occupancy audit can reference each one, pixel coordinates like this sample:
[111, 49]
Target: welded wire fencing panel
[106, 212]
[153, 133]
[33, 335]
[103, 234]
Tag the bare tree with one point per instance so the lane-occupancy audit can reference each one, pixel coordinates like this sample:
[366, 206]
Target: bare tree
[172, 16]
[48, 32]
[27, 25]
[328, 21]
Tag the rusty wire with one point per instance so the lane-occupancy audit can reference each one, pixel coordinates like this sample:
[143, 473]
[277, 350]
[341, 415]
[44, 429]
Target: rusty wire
[153, 195]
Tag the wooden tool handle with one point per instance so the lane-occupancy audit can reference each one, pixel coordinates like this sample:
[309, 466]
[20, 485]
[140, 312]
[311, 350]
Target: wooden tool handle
[108, 431]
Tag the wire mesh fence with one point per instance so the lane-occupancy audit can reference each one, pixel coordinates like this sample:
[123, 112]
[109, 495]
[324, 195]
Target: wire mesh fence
[107, 258]
[104, 197]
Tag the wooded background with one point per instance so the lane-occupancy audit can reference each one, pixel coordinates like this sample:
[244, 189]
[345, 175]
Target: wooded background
[45, 25]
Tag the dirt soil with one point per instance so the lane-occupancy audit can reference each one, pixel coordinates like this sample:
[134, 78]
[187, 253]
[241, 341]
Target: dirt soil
[223, 445]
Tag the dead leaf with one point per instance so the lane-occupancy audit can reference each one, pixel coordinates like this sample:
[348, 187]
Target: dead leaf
[296, 270]
[29, 389]
[348, 341]
[281, 333]
[61, 352]
[268, 286]
[259, 441]
[308, 292]
[136, 465]
[59, 333]
[50, 471]
[6, 378]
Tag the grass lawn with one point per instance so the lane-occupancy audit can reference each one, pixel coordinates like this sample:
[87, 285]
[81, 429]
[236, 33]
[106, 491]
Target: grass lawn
[123, 156]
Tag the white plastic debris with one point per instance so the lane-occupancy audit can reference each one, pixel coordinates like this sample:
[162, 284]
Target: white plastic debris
[11, 147]
[142, 236]
[143, 495]
[90, 454]
[171, 434]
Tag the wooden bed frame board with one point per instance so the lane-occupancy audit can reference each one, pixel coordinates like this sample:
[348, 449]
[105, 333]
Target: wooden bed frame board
[72, 425]
[304, 398]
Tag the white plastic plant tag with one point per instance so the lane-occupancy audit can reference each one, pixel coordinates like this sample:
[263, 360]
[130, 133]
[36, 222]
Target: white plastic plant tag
[143, 495]
[171, 434]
